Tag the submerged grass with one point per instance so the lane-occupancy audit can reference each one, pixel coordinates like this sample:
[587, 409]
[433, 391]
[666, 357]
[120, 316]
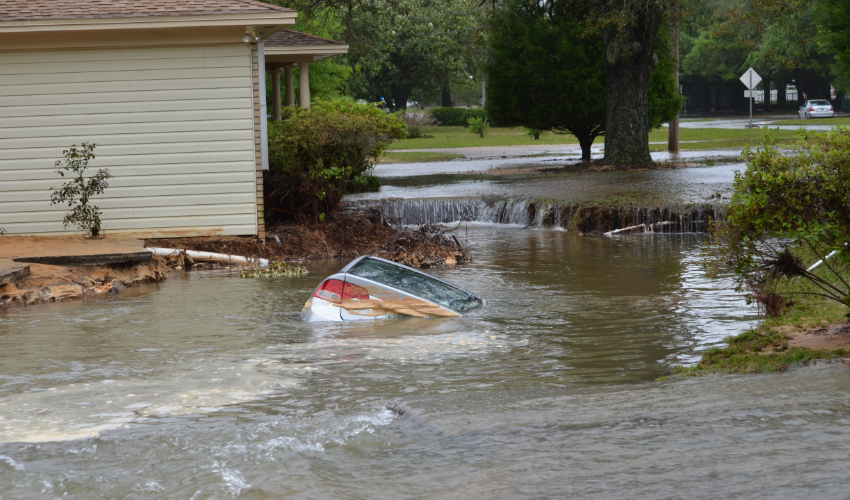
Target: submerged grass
[815, 121]
[708, 138]
[765, 349]
[417, 157]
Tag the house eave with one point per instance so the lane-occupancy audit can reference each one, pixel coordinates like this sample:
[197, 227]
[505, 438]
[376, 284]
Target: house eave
[270, 22]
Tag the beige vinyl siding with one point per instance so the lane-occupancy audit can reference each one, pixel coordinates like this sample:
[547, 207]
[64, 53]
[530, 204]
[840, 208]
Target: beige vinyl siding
[174, 126]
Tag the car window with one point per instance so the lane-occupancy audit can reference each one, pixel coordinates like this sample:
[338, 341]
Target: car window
[819, 103]
[417, 284]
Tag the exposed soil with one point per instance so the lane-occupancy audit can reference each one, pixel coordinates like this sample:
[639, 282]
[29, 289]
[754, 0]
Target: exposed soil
[345, 237]
[829, 337]
[55, 283]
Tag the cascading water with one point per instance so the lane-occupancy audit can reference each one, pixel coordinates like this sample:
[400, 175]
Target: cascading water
[542, 214]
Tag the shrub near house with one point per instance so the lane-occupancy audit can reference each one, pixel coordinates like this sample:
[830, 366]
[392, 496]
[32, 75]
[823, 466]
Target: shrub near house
[316, 155]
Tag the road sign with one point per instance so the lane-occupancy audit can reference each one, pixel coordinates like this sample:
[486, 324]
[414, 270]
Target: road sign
[750, 78]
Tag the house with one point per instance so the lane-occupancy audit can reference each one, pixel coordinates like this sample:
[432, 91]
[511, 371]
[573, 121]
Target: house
[171, 91]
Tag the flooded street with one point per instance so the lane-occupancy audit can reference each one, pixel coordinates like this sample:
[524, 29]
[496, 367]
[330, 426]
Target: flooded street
[663, 186]
[209, 386]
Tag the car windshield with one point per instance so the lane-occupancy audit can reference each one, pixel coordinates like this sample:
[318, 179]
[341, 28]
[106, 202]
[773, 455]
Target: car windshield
[819, 103]
[417, 284]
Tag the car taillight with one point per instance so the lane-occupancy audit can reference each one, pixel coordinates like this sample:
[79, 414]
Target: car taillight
[811, 109]
[354, 292]
[330, 290]
[830, 108]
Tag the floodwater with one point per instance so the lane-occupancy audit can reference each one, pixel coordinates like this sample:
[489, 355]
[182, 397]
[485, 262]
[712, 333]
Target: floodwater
[209, 386]
[668, 187]
[550, 157]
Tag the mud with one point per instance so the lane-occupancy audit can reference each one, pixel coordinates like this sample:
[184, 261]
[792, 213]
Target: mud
[345, 237]
[829, 337]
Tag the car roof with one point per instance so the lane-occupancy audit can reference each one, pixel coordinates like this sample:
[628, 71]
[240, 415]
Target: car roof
[362, 257]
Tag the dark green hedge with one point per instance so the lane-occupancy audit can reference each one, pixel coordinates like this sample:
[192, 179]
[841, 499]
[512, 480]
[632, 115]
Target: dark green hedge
[457, 117]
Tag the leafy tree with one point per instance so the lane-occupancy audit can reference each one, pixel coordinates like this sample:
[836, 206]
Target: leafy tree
[833, 17]
[78, 191]
[543, 73]
[547, 73]
[398, 45]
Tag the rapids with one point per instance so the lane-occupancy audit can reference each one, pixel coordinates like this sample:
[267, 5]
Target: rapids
[209, 386]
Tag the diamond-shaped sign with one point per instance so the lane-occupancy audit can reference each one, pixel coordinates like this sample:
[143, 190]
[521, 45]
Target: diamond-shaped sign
[750, 78]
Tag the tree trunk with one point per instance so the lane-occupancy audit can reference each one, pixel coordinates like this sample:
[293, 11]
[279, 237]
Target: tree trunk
[401, 94]
[781, 96]
[446, 95]
[586, 142]
[630, 61]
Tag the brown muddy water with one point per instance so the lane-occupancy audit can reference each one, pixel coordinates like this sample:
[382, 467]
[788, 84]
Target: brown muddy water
[209, 386]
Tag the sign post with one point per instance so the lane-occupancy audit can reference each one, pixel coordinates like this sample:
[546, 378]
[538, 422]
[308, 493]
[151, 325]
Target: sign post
[750, 78]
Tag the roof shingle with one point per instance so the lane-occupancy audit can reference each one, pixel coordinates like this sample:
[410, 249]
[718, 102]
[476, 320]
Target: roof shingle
[290, 38]
[30, 10]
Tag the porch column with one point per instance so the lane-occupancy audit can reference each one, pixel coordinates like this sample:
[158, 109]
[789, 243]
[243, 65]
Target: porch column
[290, 85]
[304, 83]
[276, 94]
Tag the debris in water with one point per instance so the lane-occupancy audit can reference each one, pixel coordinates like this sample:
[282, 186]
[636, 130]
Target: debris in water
[275, 269]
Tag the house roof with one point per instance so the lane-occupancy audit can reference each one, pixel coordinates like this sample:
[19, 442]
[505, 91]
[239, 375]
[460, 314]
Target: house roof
[291, 38]
[33, 10]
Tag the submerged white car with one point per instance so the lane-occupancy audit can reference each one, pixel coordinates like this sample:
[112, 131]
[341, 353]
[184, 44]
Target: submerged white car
[371, 288]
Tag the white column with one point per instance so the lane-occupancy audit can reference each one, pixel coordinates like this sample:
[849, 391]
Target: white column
[304, 83]
[264, 117]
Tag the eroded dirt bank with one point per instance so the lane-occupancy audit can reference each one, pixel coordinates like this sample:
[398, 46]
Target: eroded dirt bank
[343, 238]
[68, 267]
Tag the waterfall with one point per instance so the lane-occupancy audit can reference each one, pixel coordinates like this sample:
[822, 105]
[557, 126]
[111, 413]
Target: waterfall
[540, 214]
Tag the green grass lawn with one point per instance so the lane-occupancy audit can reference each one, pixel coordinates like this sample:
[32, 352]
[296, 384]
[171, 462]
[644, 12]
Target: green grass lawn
[815, 121]
[459, 137]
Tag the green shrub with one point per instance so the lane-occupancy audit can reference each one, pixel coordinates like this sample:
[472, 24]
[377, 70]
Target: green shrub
[317, 154]
[478, 126]
[449, 117]
[787, 205]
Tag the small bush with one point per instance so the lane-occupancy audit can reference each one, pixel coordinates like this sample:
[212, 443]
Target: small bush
[478, 126]
[317, 154]
[79, 190]
[418, 124]
[534, 133]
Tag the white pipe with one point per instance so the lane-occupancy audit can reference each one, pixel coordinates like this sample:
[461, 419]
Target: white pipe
[208, 256]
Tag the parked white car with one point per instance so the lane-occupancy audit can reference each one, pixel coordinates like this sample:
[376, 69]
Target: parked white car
[816, 108]
[371, 288]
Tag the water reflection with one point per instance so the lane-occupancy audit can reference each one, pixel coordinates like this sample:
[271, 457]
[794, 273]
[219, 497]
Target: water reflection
[209, 386]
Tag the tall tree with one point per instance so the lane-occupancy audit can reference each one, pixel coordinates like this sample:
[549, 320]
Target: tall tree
[397, 45]
[628, 32]
[834, 37]
[547, 72]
